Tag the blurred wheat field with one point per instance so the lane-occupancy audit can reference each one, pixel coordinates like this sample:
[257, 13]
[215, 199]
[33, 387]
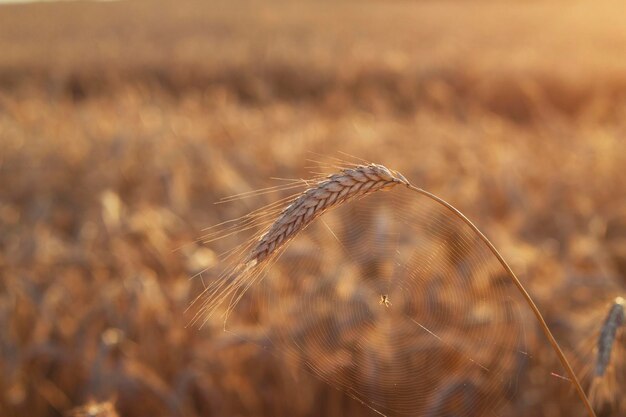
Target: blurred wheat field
[122, 123]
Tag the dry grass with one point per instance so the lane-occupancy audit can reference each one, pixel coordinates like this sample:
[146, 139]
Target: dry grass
[122, 123]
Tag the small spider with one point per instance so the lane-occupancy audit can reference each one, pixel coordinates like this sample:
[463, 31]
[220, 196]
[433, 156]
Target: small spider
[384, 299]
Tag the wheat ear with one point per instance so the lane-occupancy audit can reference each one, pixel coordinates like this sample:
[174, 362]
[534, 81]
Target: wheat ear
[315, 201]
[613, 321]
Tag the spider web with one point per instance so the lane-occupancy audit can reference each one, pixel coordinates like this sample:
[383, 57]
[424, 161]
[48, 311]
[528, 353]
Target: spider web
[398, 303]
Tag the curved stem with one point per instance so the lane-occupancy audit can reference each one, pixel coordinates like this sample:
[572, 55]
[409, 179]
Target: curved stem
[522, 290]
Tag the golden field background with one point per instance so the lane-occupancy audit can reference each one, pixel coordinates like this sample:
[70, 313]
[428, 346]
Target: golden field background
[122, 123]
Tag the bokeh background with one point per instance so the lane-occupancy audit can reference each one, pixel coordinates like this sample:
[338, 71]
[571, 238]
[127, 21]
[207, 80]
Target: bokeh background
[121, 123]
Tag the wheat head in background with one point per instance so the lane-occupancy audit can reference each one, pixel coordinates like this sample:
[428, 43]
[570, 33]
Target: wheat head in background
[601, 356]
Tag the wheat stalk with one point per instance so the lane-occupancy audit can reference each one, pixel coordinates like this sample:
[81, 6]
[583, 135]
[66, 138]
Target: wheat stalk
[332, 191]
[315, 201]
[522, 290]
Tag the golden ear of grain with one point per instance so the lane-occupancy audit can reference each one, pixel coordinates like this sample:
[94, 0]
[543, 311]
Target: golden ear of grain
[313, 202]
